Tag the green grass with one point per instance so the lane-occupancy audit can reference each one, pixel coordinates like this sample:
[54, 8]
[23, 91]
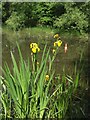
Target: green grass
[35, 34]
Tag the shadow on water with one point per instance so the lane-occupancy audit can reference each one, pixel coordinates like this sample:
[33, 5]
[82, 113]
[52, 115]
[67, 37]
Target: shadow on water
[75, 47]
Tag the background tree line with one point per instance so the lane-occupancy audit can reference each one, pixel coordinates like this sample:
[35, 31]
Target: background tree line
[64, 16]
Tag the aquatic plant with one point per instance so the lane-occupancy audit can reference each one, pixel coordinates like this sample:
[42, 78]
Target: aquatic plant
[30, 91]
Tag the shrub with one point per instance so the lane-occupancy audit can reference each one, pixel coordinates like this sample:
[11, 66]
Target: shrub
[73, 20]
[15, 21]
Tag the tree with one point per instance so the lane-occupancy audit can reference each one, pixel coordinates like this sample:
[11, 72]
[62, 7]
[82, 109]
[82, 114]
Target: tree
[73, 20]
[69, 16]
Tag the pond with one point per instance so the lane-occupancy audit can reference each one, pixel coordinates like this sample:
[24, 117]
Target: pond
[68, 59]
[75, 48]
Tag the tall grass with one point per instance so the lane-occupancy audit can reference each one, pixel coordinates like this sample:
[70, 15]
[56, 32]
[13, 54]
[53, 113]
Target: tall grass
[27, 93]
[39, 34]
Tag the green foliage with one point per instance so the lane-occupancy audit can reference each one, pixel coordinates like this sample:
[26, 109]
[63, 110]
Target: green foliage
[29, 95]
[15, 21]
[66, 16]
[5, 11]
[27, 88]
[73, 20]
[44, 12]
[45, 20]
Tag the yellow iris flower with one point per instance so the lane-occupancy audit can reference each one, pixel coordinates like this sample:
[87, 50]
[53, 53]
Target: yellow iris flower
[47, 77]
[38, 49]
[58, 43]
[34, 47]
[56, 36]
[34, 50]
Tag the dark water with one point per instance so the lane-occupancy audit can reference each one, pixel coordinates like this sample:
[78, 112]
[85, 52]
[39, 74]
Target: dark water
[75, 48]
